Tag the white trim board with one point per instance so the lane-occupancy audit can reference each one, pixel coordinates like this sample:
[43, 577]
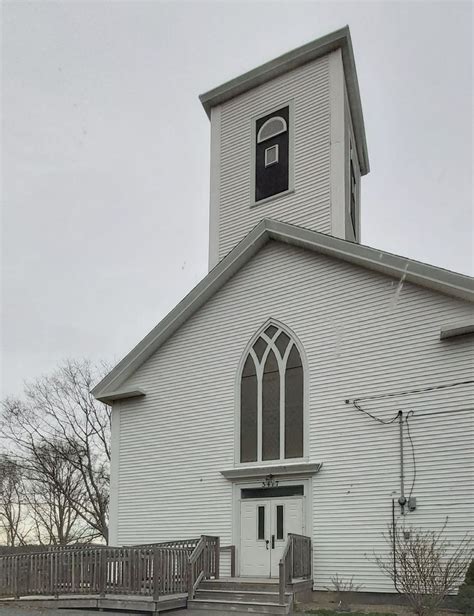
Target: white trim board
[215, 187]
[306, 387]
[305, 469]
[236, 500]
[461, 328]
[291, 152]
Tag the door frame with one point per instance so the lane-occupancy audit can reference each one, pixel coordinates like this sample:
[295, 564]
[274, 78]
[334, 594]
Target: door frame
[236, 501]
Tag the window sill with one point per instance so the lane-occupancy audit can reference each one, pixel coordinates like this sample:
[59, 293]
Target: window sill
[285, 193]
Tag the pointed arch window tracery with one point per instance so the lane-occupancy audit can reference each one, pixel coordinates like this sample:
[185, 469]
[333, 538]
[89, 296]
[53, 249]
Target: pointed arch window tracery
[271, 399]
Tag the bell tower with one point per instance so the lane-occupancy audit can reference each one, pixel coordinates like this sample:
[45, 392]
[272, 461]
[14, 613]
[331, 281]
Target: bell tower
[288, 143]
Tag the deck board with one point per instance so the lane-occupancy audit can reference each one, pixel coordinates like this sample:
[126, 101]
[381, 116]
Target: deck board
[132, 603]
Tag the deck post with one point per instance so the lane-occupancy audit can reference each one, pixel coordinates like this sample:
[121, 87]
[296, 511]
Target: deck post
[190, 579]
[156, 579]
[282, 585]
[232, 561]
[217, 549]
[56, 564]
[102, 571]
[17, 576]
[292, 562]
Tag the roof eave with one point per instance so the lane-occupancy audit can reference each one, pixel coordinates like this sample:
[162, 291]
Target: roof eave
[224, 270]
[340, 39]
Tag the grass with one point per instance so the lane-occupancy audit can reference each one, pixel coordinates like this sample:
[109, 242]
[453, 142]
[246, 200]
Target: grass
[323, 612]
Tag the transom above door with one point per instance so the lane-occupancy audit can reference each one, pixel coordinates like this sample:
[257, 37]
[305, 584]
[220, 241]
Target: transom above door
[264, 527]
[272, 398]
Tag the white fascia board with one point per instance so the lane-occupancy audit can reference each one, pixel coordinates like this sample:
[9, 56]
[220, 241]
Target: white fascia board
[429, 276]
[459, 328]
[340, 39]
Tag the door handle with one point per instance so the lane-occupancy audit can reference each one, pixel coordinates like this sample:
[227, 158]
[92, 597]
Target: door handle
[267, 541]
[273, 542]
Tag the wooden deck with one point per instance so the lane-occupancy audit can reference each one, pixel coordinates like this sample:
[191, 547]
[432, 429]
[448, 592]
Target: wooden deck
[151, 579]
[130, 603]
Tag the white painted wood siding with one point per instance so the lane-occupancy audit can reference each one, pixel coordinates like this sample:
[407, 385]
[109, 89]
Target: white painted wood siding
[309, 205]
[363, 334]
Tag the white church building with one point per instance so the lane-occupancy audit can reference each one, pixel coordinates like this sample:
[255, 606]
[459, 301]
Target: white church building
[308, 384]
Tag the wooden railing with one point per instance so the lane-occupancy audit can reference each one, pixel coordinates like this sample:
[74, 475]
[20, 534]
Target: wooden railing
[178, 543]
[296, 562]
[231, 550]
[30, 549]
[147, 571]
[203, 563]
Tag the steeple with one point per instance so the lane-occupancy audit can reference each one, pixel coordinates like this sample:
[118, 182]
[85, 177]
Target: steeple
[288, 142]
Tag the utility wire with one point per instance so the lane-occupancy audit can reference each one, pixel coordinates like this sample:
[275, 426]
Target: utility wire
[399, 415]
[446, 412]
[411, 391]
[355, 401]
[382, 421]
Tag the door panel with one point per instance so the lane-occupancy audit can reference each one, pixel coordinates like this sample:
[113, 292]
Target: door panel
[265, 525]
[255, 548]
[286, 517]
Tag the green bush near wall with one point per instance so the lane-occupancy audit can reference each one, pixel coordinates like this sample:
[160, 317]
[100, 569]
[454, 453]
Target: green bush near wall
[465, 598]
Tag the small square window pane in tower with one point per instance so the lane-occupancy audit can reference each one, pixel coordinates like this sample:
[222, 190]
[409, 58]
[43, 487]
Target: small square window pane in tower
[271, 155]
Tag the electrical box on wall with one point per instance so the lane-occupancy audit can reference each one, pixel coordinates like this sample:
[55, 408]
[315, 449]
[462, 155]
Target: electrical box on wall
[412, 503]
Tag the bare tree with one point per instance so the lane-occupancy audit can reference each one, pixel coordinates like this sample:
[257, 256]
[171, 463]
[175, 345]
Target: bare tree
[12, 511]
[54, 492]
[424, 566]
[59, 413]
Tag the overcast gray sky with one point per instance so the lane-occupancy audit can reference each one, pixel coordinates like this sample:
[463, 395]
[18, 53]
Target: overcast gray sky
[106, 152]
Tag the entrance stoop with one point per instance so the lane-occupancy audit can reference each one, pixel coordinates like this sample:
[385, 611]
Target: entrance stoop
[240, 596]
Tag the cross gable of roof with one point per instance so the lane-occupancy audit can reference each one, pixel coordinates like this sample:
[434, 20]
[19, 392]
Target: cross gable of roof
[428, 276]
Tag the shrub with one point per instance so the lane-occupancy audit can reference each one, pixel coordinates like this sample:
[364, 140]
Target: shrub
[465, 598]
[342, 588]
[424, 566]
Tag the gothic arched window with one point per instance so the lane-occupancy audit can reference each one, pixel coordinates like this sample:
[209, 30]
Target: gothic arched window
[271, 399]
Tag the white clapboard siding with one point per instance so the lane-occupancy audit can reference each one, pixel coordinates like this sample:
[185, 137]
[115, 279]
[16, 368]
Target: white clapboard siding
[362, 335]
[309, 205]
[225, 564]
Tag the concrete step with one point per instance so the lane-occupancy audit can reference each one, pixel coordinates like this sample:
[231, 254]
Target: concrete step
[240, 584]
[238, 596]
[248, 607]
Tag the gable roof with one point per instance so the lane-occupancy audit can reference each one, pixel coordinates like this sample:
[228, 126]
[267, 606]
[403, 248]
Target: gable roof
[340, 39]
[429, 276]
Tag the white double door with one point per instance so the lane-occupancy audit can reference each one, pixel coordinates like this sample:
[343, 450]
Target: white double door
[264, 528]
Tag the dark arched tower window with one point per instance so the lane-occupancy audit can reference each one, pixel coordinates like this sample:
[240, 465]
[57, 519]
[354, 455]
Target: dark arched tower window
[272, 154]
[271, 399]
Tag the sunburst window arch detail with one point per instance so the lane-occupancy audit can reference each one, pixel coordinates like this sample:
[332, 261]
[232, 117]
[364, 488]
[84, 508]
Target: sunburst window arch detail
[272, 382]
[271, 128]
